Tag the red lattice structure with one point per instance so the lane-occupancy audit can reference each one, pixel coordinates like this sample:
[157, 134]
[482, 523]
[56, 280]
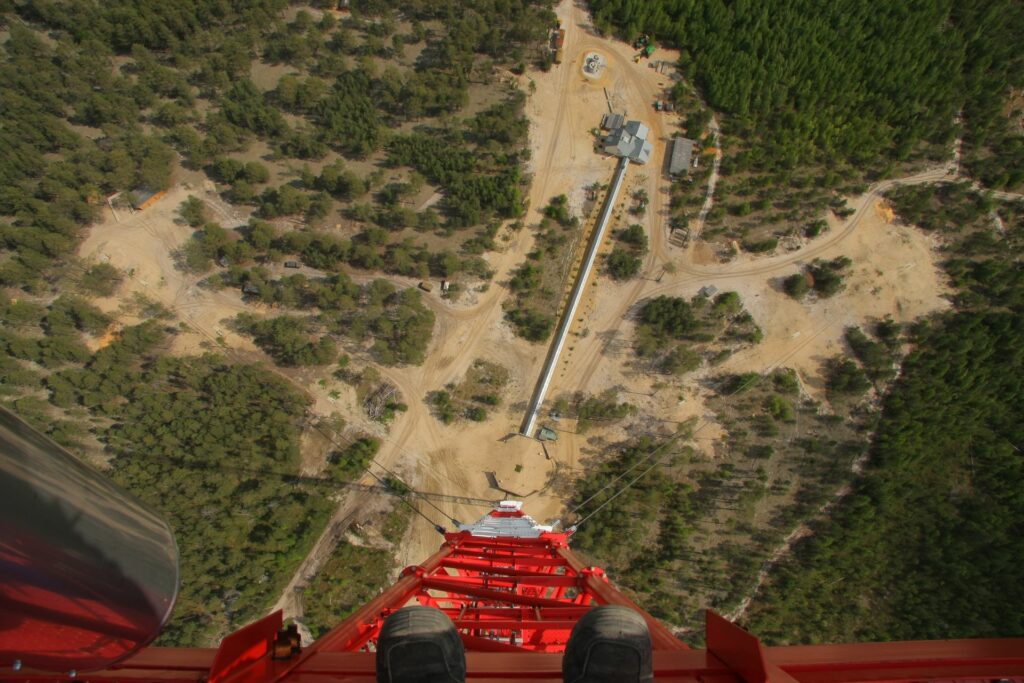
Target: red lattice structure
[514, 590]
[508, 585]
[88, 576]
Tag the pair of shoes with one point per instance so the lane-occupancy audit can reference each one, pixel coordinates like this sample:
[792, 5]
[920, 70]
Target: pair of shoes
[609, 644]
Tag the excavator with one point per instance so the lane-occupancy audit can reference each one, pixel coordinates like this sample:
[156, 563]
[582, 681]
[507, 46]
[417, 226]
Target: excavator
[89, 577]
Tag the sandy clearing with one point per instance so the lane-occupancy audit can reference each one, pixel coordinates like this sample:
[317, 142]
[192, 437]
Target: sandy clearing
[894, 273]
[142, 245]
[266, 76]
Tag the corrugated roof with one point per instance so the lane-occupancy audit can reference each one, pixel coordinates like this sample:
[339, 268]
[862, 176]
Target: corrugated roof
[612, 121]
[638, 129]
[630, 141]
[506, 520]
[682, 151]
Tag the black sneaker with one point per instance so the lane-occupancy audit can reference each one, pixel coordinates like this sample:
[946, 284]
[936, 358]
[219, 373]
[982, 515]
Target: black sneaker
[610, 644]
[420, 645]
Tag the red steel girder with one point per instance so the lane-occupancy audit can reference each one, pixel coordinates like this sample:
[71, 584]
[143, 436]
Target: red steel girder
[510, 569]
[515, 624]
[549, 580]
[465, 541]
[962, 660]
[507, 560]
[489, 594]
[517, 612]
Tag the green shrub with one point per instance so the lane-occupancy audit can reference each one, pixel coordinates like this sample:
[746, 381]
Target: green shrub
[760, 246]
[101, 279]
[796, 285]
[623, 265]
[846, 378]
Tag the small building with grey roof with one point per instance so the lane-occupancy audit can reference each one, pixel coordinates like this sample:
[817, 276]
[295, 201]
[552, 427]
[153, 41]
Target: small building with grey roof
[612, 121]
[630, 141]
[681, 156]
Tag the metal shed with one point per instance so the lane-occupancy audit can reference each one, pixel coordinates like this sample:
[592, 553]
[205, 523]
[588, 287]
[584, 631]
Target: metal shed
[682, 153]
[612, 121]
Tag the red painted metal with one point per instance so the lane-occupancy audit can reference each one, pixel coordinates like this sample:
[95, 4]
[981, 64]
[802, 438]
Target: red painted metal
[88, 574]
[740, 651]
[245, 647]
[515, 601]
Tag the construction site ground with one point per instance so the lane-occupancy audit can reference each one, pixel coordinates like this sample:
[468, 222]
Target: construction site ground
[894, 273]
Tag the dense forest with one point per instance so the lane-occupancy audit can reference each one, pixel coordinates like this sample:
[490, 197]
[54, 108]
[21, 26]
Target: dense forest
[928, 543]
[676, 336]
[851, 80]
[396, 322]
[814, 102]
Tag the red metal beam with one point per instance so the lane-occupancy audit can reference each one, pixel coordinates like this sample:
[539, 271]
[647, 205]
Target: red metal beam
[865, 663]
[548, 580]
[509, 559]
[514, 624]
[539, 613]
[245, 648]
[465, 541]
[964, 651]
[902, 661]
[475, 644]
[487, 594]
[740, 651]
[513, 568]
[596, 585]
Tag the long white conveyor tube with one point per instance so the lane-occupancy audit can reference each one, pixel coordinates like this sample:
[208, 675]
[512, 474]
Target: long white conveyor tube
[541, 390]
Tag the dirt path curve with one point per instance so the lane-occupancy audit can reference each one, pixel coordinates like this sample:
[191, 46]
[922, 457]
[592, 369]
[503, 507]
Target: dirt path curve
[864, 204]
[999, 194]
[709, 198]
